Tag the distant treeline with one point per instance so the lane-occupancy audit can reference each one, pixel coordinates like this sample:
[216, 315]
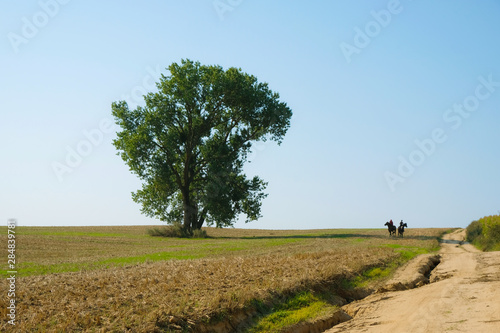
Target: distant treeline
[485, 233]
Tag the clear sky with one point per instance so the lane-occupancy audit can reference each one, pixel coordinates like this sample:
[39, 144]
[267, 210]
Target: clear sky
[396, 105]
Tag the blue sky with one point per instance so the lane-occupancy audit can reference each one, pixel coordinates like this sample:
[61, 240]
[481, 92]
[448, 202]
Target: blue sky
[396, 105]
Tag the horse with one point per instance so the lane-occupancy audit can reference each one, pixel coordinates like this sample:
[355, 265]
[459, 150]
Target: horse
[401, 229]
[391, 228]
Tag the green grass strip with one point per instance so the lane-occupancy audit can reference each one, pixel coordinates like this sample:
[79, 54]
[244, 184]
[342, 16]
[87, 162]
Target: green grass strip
[29, 268]
[297, 309]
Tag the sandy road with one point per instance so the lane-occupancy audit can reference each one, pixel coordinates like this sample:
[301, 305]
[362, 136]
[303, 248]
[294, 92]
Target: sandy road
[463, 296]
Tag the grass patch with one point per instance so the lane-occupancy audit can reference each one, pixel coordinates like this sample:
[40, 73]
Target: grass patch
[393, 246]
[358, 240]
[30, 268]
[408, 254]
[299, 308]
[369, 276]
[376, 273]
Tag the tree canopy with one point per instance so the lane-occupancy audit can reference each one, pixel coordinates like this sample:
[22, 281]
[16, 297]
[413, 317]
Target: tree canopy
[189, 143]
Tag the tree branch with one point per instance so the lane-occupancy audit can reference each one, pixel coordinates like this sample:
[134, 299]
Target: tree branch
[171, 166]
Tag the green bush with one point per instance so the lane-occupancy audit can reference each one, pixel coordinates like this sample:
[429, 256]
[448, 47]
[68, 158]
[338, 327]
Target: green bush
[485, 233]
[473, 231]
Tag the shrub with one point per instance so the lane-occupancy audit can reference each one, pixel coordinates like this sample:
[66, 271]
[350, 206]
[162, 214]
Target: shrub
[176, 230]
[200, 233]
[485, 233]
[473, 231]
[492, 228]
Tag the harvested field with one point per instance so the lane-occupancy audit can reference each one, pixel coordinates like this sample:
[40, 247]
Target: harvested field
[119, 279]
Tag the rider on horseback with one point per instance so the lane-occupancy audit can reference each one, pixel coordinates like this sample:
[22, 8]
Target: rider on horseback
[401, 228]
[392, 228]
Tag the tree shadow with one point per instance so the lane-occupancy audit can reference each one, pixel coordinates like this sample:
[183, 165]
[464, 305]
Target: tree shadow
[335, 236]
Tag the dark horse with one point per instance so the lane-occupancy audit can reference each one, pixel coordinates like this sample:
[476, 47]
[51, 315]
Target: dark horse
[401, 229]
[391, 228]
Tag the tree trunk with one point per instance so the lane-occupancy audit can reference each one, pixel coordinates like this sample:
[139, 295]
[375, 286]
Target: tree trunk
[190, 207]
[190, 216]
[201, 219]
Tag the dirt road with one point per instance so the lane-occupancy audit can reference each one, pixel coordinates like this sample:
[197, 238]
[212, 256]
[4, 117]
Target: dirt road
[463, 296]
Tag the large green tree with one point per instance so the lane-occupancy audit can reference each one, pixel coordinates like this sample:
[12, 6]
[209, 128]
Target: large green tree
[188, 144]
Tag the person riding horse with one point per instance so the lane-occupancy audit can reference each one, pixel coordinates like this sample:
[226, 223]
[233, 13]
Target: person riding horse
[401, 228]
[391, 228]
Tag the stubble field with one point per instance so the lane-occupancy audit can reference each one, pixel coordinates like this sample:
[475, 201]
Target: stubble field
[121, 279]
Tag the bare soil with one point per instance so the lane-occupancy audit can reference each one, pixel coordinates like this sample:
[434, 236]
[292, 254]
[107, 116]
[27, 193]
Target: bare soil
[462, 296]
